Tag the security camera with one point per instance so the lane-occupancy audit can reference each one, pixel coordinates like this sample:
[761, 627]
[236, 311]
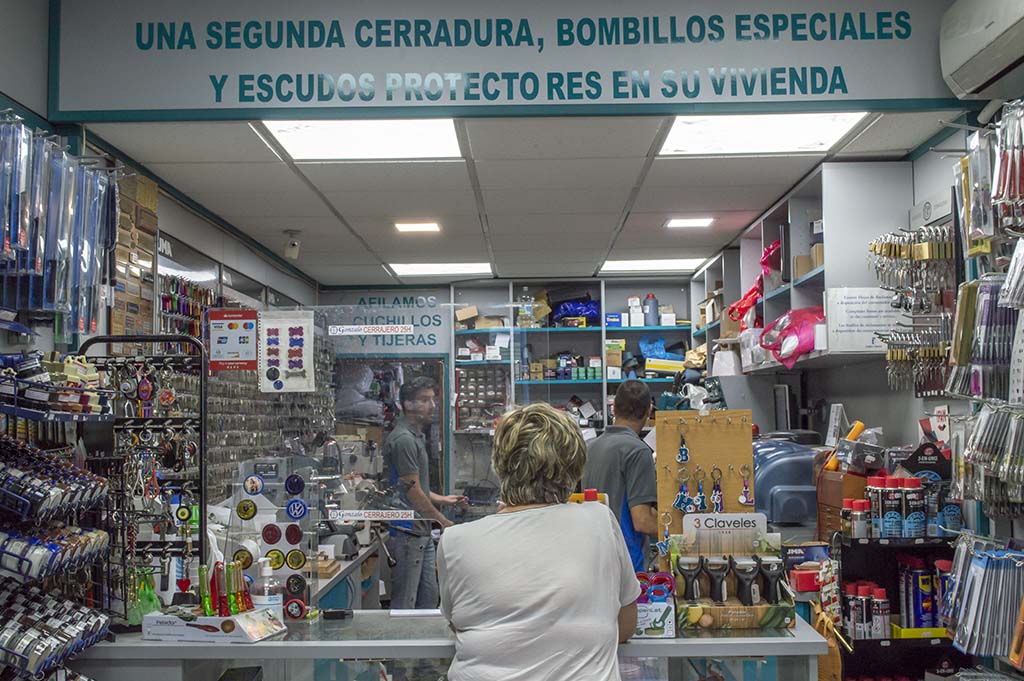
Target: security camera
[291, 251]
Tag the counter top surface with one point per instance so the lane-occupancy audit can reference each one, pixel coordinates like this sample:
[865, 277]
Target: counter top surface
[383, 635]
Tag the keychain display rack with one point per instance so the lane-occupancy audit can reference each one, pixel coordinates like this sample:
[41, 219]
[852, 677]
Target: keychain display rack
[155, 459]
[704, 465]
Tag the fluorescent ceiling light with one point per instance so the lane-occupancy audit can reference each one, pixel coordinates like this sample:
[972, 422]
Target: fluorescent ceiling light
[678, 265]
[365, 140]
[689, 222]
[439, 268]
[758, 134]
[417, 227]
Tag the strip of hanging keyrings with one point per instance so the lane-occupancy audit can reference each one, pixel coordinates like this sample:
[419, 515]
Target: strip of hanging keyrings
[918, 266]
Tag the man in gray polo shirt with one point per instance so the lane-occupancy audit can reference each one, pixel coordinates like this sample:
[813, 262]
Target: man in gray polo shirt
[407, 466]
[621, 465]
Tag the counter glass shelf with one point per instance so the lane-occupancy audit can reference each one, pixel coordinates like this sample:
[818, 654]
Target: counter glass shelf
[423, 644]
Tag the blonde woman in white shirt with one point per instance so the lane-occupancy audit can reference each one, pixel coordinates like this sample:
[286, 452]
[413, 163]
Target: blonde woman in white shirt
[544, 589]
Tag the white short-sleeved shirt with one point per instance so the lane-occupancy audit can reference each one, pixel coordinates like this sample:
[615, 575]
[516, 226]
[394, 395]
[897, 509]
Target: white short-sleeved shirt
[534, 595]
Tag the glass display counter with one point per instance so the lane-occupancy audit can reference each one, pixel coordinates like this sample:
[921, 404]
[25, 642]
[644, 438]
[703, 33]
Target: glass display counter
[419, 647]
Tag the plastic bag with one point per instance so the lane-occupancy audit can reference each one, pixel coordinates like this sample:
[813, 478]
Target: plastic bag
[771, 259]
[738, 310]
[792, 335]
[654, 348]
[590, 309]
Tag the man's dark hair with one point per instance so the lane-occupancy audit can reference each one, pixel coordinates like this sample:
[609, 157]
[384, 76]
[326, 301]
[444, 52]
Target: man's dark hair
[410, 389]
[632, 400]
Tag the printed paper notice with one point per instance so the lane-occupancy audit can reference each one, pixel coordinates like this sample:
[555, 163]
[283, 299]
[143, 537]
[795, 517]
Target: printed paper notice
[855, 315]
[286, 352]
[233, 345]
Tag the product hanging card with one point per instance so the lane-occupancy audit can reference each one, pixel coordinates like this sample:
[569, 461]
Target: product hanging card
[233, 340]
[286, 352]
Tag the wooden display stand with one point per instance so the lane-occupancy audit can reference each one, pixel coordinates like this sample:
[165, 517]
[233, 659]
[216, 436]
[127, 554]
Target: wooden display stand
[721, 438]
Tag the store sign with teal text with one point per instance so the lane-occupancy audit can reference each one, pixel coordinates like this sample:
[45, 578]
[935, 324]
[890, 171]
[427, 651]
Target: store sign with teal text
[150, 59]
[390, 321]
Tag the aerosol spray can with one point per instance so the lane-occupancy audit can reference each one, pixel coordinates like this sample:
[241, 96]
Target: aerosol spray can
[913, 508]
[864, 626]
[933, 509]
[880, 614]
[873, 493]
[860, 519]
[850, 607]
[892, 509]
[845, 517]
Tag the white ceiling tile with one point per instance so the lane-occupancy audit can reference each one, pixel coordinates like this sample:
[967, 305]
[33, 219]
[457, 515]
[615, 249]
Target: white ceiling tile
[466, 248]
[393, 176]
[310, 227]
[723, 172]
[236, 205]
[209, 178]
[562, 138]
[375, 228]
[546, 269]
[517, 223]
[896, 134]
[547, 201]
[648, 230]
[625, 252]
[559, 173]
[708, 199]
[329, 274]
[186, 142]
[403, 204]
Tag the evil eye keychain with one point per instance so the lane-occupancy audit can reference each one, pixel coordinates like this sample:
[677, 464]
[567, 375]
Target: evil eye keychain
[747, 497]
[683, 502]
[663, 547]
[700, 502]
[684, 452]
[717, 499]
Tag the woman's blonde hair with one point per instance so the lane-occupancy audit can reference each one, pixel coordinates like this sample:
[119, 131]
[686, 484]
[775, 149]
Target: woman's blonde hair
[539, 455]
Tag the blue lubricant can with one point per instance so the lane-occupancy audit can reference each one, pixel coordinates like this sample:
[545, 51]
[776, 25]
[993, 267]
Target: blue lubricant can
[922, 599]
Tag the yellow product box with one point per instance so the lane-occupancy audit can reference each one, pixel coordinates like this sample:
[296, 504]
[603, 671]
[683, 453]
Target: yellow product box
[907, 632]
[664, 366]
[615, 344]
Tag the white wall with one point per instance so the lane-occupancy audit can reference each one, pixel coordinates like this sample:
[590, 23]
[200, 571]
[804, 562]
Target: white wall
[24, 32]
[183, 224]
[933, 172]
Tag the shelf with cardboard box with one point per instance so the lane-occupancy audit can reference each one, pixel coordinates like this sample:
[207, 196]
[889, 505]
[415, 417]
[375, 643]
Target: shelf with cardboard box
[810, 242]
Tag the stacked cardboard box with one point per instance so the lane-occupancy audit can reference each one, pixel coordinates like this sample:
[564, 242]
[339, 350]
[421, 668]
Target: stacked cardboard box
[135, 259]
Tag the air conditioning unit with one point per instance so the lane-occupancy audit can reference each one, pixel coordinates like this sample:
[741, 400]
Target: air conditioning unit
[982, 49]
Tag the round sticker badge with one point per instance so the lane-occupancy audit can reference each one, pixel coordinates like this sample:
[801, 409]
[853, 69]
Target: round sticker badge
[295, 609]
[183, 513]
[296, 559]
[295, 585]
[276, 558]
[271, 534]
[293, 534]
[294, 484]
[246, 509]
[244, 557]
[278, 385]
[273, 373]
[296, 509]
[253, 485]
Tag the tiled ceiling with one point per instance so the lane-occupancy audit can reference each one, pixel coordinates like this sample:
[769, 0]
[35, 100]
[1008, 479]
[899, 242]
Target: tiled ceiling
[534, 196]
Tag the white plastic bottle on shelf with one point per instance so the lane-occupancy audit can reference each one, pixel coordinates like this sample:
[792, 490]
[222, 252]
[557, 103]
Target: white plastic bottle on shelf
[268, 592]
